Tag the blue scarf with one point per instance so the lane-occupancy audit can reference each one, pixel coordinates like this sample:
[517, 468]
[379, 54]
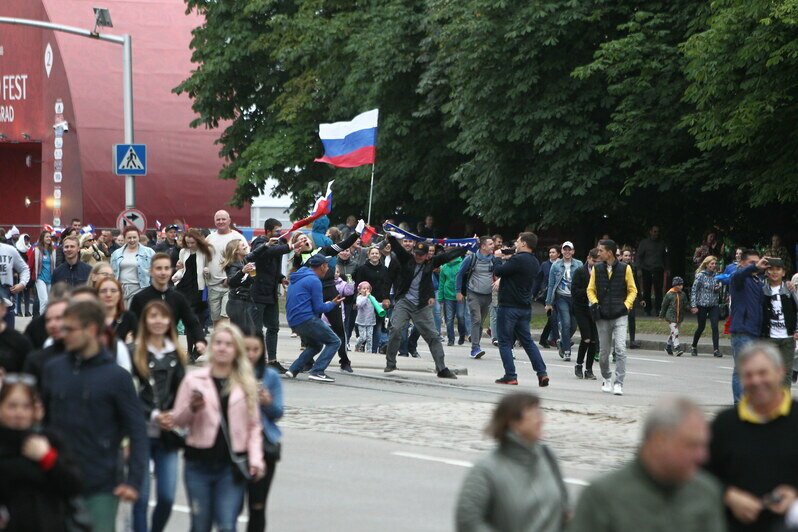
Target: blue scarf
[471, 243]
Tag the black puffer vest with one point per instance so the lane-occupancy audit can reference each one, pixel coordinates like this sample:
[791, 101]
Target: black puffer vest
[611, 292]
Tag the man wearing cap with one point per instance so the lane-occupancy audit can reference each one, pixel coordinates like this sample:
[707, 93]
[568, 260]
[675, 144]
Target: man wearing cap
[12, 262]
[170, 243]
[675, 306]
[559, 295]
[303, 307]
[780, 319]
[415, 296]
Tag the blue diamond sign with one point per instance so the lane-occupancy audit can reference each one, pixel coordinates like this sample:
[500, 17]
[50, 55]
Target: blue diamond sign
[130, 159]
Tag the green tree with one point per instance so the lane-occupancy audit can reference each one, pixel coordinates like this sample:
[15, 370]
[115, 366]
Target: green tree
[743, 73]
[270, 71]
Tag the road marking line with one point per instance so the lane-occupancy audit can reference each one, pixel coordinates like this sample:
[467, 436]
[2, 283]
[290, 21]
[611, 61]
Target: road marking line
[463, 463]
[726, 367]
[723, 382]
[646, 374]
[651, 360]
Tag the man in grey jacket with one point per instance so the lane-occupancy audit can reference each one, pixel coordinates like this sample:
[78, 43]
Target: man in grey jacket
[474, 283]
[11, 262]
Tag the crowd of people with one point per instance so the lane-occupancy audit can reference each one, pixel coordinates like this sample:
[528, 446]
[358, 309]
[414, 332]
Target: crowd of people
[98, 385]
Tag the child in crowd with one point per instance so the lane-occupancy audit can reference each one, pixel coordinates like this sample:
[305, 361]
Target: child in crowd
[675, 306]
[366, 317]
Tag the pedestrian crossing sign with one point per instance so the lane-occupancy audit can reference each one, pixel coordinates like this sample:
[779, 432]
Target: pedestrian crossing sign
[130, 159]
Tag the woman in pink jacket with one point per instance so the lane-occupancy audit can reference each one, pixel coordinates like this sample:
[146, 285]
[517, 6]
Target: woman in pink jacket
[224, 447]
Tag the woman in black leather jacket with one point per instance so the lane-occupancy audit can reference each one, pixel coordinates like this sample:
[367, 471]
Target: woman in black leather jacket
[158, 367]
[239, 280]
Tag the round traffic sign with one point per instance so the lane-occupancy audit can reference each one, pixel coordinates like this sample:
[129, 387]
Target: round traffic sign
[132, 217]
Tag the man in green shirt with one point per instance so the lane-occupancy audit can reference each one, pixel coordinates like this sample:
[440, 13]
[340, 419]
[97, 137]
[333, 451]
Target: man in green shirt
[663, 488]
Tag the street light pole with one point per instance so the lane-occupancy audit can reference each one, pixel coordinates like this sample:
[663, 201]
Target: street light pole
[127, 79]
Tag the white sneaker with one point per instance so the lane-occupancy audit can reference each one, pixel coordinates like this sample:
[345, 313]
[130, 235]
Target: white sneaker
[617, 389]
[606, 386]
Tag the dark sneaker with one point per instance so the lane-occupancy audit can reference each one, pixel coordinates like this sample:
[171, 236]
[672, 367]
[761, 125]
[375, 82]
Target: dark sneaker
[693, 352]
[495, 342]
[289, 375]
[543, 381]
[718, 354]
[415, 354]
[634, 345]
[544, 344]
[578, 371]
[347, 368]
[589, 375]
[669, 349]
[461, 340]
[382, 349]
[507, 380]
[678, 351]
[389, 369]
[560, 349]
[446, 373]
[450, 343]
[476, 352]
[277, 367]
[404, 355]
[320, 377]
[567, 357]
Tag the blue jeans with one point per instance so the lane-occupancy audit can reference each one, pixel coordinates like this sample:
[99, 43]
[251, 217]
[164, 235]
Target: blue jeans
[565, 322]
[738, 342]
[454, 309]
[214, 495]
[436, 314]
[513, 324]
[165, 461]
[319, 338]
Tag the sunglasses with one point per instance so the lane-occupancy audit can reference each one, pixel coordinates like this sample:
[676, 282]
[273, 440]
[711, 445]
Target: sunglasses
[17, 378]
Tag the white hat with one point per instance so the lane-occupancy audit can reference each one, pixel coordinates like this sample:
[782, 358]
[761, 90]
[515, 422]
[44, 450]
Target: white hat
[567, 244]
[12, 232]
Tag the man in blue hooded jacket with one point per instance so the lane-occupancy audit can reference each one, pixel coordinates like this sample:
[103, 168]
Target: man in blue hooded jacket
[304, 306]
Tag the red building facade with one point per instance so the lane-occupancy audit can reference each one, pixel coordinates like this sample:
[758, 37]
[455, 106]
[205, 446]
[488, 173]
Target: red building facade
[49, 77]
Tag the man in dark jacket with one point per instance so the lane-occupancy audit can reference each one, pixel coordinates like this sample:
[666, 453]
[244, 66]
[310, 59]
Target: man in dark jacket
[746, 287]
[160, 274]
[415, 296]
[53, 315]
[516, 276]
[72, 271]
[92, 403]
[267, 254]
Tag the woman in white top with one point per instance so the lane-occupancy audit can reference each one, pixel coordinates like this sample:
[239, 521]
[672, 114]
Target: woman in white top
[131, 264]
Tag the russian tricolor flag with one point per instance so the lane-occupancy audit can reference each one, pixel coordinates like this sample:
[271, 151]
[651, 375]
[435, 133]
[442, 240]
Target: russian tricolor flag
[350, 144]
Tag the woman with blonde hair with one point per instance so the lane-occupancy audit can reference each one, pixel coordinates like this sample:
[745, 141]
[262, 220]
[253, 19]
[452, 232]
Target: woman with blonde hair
[159, 366]
[239, 280]
[100, 271]
[224, 446]
[704, 300]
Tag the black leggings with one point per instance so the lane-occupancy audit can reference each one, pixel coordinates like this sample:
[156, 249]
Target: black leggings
[589, 334]
[257, 495]
[337, 324]
[714, 317]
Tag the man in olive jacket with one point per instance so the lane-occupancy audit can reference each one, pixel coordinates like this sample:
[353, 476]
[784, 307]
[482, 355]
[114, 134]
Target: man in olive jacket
[663, 487]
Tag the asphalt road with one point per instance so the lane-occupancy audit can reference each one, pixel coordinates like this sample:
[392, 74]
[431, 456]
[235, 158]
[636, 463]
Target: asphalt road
[388, 452]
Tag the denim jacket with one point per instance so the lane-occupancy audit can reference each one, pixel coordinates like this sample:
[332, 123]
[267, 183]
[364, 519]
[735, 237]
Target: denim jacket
[143, 257]
[704, 293]
[555, 277]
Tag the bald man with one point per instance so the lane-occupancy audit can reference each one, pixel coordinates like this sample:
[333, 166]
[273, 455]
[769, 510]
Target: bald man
[217, 280]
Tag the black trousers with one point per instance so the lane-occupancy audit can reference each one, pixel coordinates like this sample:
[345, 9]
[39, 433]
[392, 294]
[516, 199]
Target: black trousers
[652, 279]
[258, 495]
[336, 324]
[714, 316]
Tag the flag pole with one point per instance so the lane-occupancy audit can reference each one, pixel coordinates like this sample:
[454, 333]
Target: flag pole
[371, 190]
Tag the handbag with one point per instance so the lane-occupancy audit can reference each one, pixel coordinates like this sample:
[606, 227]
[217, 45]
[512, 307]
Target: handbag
[271, 450]
[241, 469]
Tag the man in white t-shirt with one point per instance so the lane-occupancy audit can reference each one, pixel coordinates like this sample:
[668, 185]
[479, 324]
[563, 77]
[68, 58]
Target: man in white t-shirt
[780, 317]
[217, 280]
